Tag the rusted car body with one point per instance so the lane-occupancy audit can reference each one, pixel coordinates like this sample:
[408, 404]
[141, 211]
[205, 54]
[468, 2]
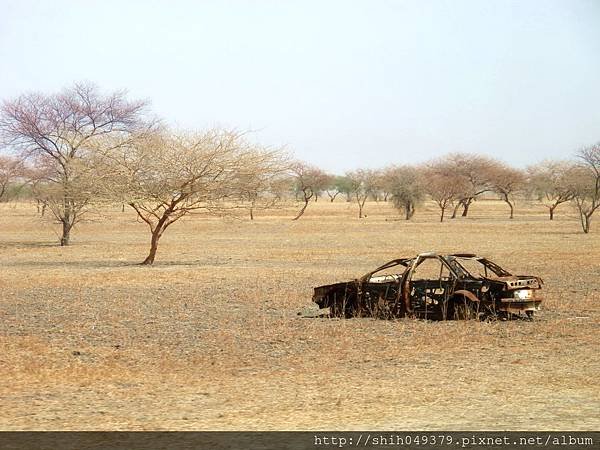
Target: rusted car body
[434, 286]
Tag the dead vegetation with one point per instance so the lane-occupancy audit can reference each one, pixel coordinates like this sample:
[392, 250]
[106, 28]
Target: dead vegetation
[209, 338]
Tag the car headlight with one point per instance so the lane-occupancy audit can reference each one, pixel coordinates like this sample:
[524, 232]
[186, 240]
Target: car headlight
[523, 294]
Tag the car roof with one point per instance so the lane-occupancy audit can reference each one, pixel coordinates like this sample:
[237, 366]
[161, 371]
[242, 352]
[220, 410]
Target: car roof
[456, 255]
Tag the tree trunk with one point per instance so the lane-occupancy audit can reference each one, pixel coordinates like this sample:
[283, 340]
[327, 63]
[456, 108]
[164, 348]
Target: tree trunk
[360, 206]
[66, 223]
[252, 205]
[66, 233]
[410, 210]
[455, 210]
[156, 234]
[466, 205]
[510, 205]
[551, 209]
[442, 215]
[585, 222]
[306, 200]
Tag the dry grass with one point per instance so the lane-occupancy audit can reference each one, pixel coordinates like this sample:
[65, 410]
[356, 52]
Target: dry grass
[209, 337]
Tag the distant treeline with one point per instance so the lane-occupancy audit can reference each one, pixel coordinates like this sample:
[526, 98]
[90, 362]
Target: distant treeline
[78, 149]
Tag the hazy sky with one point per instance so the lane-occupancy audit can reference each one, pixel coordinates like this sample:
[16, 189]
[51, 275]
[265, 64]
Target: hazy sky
[344, 84]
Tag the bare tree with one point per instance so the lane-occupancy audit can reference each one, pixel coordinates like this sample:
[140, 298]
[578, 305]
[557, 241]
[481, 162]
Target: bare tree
[263, 187]
[69, 201]
[59, 132]
[551, 183]
[11, 169]
[407, 187]
[474, 172]
[507, 181]
[37, 178]
[377, 185]
[362, 182]
[165, 176]
[308, 181]
[586, 184]
[442, 185]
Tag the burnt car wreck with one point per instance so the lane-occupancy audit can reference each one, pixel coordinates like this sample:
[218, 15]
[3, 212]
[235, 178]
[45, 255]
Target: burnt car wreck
[434, 286]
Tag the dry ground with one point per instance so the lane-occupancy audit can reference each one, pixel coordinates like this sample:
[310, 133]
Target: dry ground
[209, 337]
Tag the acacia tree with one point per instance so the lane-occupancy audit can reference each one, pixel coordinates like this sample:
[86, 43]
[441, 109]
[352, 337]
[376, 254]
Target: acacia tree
[362, 182]
[322, 185]
[308, 181]
[165, 176]
[50, 192]
[377, 185]
[405, 184]
[551, 183]
[338, 184]
[263, 187]
[586, 184]
[11, 169]
[507, 181]
[59, 132]
[474, 172]
[442, 185]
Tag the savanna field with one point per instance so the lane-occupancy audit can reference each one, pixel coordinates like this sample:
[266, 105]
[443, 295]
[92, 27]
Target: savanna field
[209, 338]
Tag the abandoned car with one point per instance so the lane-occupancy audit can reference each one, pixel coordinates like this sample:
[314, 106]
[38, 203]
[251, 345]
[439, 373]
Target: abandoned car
[434, 286]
